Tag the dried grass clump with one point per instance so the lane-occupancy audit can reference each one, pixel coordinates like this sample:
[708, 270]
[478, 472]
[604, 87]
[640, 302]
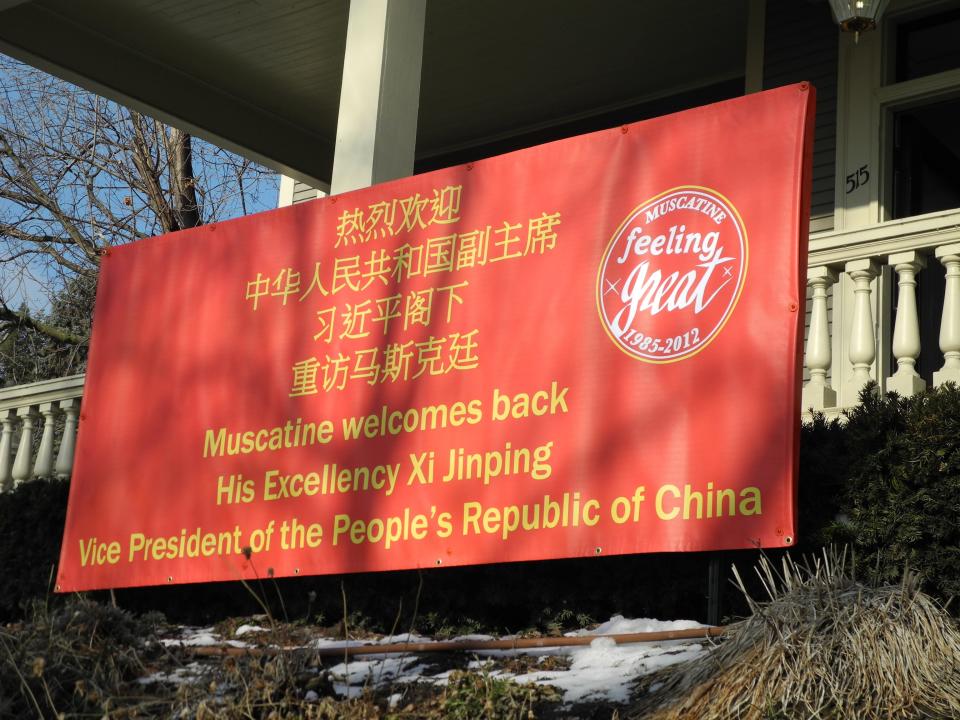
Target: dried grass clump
[77, 660]
[823, 646]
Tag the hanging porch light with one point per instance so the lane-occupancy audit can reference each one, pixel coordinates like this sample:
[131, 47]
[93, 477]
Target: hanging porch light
[858, 16]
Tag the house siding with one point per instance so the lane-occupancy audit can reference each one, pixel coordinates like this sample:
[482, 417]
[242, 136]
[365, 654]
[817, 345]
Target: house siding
[800, 43]
[303, 192]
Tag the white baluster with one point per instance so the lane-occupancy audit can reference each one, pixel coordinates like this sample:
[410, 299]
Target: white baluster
[68, 442]
[906, 332]
[6, 450]
[22, 465]
[817, 393]
[43, 468]
[863, 346]
[949, 255]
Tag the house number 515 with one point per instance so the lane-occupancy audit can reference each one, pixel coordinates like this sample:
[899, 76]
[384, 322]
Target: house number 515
[859, 178]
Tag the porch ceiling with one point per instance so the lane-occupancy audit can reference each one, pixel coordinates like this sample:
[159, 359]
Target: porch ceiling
[263, 76]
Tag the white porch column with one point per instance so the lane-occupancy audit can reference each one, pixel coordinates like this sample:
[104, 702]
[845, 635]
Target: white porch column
[949, 255]
[8, 420]
[906, 333]
[859, 74]
[21, 465]
[64, 465]
[43, 468]
[285, 195]
[380, 95]
[817, 393]
[863, 344]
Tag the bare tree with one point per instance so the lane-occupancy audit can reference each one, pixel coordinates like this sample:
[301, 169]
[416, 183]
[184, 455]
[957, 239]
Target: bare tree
[79, 174]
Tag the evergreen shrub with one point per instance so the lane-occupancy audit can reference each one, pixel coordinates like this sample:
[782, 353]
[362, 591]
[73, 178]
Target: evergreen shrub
[31, 528]
[898, 488]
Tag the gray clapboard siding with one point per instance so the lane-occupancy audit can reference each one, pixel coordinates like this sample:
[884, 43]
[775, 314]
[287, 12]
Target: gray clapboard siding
[303, 192]
[800, 43]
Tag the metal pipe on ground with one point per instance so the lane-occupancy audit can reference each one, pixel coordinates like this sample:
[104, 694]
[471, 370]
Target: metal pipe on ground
[470, 645]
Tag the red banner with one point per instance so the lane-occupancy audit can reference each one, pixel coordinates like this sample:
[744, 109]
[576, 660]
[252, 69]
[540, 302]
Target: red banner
[585, 348]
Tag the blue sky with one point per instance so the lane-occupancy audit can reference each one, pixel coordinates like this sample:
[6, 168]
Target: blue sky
[31, 284]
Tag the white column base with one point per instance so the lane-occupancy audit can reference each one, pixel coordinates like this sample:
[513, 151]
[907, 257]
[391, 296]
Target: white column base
[853, 387]
[817, 396]
[906, 383]
[946, 375]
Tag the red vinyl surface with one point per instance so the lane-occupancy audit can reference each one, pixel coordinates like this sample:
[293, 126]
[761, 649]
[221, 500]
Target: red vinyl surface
[591, 347]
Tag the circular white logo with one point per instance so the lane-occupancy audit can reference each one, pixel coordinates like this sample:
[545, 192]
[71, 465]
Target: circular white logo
[672, 274]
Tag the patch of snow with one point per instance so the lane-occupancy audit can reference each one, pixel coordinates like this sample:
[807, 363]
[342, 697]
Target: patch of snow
[311, 696]
[606, 671]
[190, 673]
[601, 671]
[348, 691]
[388, 640]
[439, 679]
[200, 637]
[619, 625]
[375, 672]
[245, 629]
[415, 673]
[404, 638]
[538, 651]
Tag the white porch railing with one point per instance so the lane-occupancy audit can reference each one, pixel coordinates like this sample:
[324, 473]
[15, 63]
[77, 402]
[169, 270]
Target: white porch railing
[859, 354]
[844, 349]
[29, 412]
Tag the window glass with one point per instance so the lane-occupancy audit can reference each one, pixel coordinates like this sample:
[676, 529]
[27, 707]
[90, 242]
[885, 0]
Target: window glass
[926, 159]
[928, 45]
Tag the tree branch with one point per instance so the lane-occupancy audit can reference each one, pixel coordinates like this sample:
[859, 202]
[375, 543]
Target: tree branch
[43, 243]
[23, 319]
[48, 202]
[148, 175]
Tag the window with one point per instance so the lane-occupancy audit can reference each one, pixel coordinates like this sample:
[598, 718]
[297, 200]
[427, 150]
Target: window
[923, 112]
[923, 139]
[927, 45]
[926, 159]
